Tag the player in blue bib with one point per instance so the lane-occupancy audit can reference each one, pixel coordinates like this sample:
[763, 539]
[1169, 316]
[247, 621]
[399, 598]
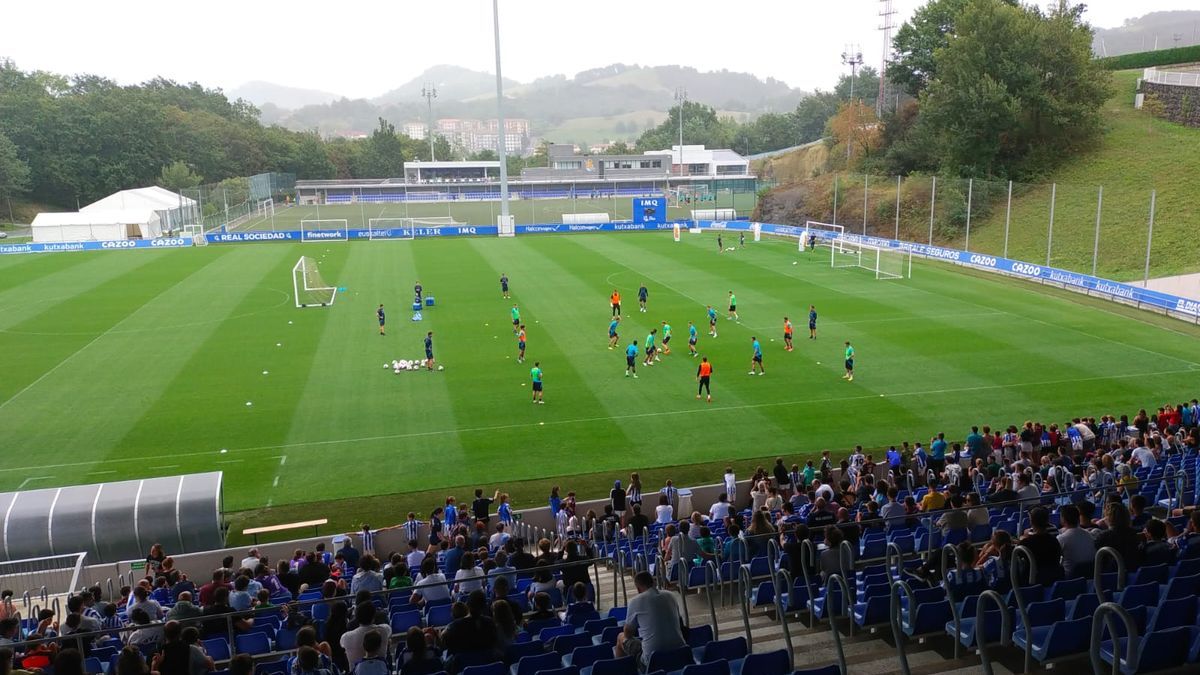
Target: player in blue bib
[631, 353]
[429, 350]
[812, 322]
[612, 332]
[642, 293]
[712, 321]
[692, 339]
[756, 364]
[382, 319]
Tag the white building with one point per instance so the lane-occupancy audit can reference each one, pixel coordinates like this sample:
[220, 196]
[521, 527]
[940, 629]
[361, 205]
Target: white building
[96, 225]
[696, 160]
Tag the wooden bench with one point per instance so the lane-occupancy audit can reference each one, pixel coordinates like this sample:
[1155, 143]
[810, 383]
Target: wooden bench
[314, 524]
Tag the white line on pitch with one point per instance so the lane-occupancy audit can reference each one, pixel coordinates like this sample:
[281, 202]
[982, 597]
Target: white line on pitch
[169, 466]
[616, 418]
[282, 459]
[276, 482]
[99, 473]
[29, 480]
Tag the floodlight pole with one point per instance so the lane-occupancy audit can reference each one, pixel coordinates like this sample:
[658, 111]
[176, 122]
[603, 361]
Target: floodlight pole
[502, 136]
[680, 99]
[429, 92]
[851, 57]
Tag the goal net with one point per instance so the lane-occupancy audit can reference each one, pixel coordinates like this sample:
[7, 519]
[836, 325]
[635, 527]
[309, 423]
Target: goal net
[884, 263]
[324, 229]
[310, 289]
[406, 228]
[819, 234]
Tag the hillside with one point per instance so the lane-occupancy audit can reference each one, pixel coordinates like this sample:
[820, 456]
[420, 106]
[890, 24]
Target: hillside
[1137, 153]
[1140, 34]
[268, 93]
[587, 106]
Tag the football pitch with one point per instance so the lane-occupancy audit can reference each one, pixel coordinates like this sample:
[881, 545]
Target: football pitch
[526, 211]
[133, 364]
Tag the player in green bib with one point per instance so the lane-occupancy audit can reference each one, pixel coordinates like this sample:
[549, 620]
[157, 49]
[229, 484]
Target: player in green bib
[535, 374]
[516, 317]
[666, 339]
[849, 363]
[732, 307]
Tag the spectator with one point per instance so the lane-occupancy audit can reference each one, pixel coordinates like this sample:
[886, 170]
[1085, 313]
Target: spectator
[543, 580]
[349, 553]
[964, 580]
[481, 505]
[431, 585]
[1137, 512]
[252, 559]
[652, 623]
[1041, 542]
[1120, 535]
[473, 634]
[145, 632]
[664, 513]
[240, 599]
[468, 578]
[953, 519]
[286, 576]
[68, 662]
[1156, 550]
[308, 662]
[178, 657]
[1078, 547]
[892, 511]
[576, 552]
[418, 658]
[367, 578]
[638, 522]
[453, 559]
[352, 641]
[830, 560]
[314, 571]
[183, 608]
[141, 600]
[633, 495]
[521, 559]
[977, 515]
[240, 664]
[507, 626]
[374, 660]
[617, 498]
[335, 628]
[500, 538]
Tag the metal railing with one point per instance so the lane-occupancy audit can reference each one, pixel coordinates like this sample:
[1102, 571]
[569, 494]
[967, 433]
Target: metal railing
[1103, 621]
[1171, 77]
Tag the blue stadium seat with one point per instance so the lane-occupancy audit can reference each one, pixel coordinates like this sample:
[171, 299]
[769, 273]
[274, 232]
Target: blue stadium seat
[531, 665]
[564, 670]
[727, 650]
[622, 666]
[670, 660]
[252, 643]
[767, 663]
[1172, 613]
[564, 645]
[402, 621]
[1058, 640]
[519, 650]
[285, 639]
[496, 668]
[275, 667]
[217, 648]
[1156, 651]
[439, 615]
[698, 636]
[583, 657]
[711, 668]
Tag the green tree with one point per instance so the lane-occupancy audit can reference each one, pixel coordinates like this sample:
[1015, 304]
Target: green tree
[483, 156]
[701, 126]
[618, 148]
[383, 156]
[14, 173]
[918, 40]
[865, 86]
[178, 176]
[1014, 92]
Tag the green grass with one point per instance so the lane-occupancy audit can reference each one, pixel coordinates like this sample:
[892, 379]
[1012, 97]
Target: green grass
[1138, 153]
[483, 213]
[133, 364]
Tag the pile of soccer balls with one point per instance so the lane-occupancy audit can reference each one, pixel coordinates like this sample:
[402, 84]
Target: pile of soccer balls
[407, 365]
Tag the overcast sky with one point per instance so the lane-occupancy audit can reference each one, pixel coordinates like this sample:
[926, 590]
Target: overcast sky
[365, 47]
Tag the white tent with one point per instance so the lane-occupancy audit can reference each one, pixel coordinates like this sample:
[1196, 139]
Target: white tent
[96, 225]
[169, 206]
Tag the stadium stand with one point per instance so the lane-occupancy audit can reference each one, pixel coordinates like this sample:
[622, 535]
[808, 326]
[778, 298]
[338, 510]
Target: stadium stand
[1076, 545]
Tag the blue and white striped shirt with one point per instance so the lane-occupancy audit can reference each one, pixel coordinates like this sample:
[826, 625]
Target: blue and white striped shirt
[412, 530]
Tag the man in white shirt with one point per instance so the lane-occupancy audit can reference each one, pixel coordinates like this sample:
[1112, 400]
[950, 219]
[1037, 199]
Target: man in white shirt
[730, 483]
[822, 491]
[721, 509]
[352, 641]
[1078, 547]
[1144, 456]
[498, 539]
[251, 560]
[892, 511]
[1026, 491]
[415, 555]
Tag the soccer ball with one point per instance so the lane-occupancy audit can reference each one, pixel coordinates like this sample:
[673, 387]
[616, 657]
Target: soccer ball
[441, 367]
[387, 365]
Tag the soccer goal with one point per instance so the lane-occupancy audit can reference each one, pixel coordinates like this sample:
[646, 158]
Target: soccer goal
[265, 208]
[390, 228]
[310, 289]
[325, 229]
[885, 263]
[821, 234]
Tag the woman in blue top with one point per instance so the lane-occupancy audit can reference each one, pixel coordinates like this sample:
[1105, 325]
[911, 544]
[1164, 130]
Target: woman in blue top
[555, 501]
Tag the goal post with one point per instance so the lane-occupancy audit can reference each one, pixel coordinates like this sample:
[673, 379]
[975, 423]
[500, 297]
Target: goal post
[390, 228]
[265, 208]
[310, 290]
[324, 229]
[405, 229]
[883, 262]
[820, 234]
